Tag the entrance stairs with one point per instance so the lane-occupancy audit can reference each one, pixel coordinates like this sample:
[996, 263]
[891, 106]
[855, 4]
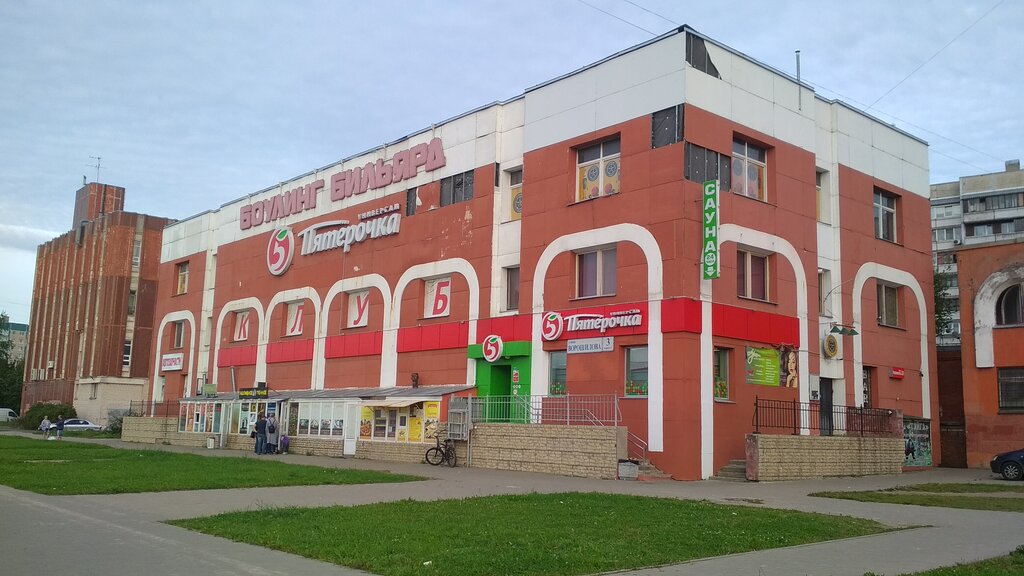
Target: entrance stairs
[735, 471]
[649, 472]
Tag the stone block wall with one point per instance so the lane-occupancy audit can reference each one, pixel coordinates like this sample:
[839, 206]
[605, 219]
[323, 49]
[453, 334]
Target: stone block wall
[586, 451]
[772, 458]
[401, 452]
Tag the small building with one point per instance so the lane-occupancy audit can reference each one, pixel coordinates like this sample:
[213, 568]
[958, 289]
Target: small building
[17, 335]
[91, 329]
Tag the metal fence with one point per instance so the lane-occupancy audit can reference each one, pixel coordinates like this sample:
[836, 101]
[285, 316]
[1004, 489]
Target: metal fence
[792, 416]
[153, 409]
[577, 410]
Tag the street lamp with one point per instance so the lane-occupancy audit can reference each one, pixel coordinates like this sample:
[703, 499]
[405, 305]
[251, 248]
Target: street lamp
[843, 329]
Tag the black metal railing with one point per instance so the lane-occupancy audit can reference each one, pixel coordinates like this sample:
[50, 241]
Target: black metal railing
[153, 409]
[792, 416]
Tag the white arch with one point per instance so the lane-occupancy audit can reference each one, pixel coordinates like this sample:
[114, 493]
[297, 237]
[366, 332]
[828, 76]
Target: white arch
[389, 351]
[985, 311]
[777, 245]
[187, 316]
[229, 307]
[903, 278]
[306, 292]
[345, 285]
[655, 290]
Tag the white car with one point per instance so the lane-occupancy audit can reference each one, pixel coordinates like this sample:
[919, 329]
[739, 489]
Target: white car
[77, 425]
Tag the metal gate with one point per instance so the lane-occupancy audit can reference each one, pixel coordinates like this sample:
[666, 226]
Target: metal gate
[458, 418]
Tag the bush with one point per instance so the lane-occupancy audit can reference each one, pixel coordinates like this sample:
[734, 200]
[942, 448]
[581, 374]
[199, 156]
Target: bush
[33, 416]
[115, 420]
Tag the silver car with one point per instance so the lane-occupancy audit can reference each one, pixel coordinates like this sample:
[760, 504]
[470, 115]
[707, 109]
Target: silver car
[77, 425]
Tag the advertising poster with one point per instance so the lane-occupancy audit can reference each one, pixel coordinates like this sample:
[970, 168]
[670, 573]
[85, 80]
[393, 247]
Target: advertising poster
[917, 441]
[365, 422]
[415, 429]
[789, 368]
[762, 366]
[432, 414]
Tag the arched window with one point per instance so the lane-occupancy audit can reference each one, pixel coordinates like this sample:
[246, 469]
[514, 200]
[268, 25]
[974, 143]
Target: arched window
[1009, 306]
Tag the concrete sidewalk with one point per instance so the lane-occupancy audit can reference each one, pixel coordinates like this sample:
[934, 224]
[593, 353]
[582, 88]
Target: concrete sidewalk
[943, 536]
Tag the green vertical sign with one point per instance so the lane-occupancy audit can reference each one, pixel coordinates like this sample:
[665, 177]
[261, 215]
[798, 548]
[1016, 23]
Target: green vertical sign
[709, 256]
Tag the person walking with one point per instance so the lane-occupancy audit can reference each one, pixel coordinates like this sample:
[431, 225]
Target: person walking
[261, 434]
[45, 427]
[273, 433]
[60, 426]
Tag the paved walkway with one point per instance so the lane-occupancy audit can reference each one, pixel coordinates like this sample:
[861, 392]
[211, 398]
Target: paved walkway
[122, 534]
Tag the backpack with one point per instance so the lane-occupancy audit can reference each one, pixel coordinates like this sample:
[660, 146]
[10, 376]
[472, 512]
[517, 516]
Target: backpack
[272, 429]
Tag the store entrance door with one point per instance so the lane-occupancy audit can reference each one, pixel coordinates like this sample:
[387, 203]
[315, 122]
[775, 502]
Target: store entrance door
[825, 407]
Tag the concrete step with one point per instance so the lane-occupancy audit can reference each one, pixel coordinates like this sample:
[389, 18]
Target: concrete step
[735, 471]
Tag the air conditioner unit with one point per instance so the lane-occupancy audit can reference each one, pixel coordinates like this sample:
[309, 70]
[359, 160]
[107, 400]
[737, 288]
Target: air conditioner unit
[49, 364]
[957, 242]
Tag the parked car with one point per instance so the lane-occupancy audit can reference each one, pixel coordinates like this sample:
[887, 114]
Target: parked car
[1009, 464]
[7, 414]
[77, 425]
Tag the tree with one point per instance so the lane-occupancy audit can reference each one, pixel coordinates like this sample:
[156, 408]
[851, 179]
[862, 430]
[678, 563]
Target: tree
[945, 306]
[10, 372]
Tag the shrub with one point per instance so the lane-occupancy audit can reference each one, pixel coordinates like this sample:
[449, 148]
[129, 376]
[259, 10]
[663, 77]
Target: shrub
[33, 416]
[115, 420]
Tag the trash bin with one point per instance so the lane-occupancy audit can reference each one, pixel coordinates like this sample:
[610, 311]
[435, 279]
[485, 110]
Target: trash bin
[211, 443]
[629, 469]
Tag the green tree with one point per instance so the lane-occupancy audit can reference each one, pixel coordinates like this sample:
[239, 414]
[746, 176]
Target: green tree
[945, 305]
[10, 372]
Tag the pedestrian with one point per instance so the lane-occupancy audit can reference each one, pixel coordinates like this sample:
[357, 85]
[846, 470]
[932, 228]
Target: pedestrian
[60, 426]
[45, 427]
[261, 434]
[272, 435]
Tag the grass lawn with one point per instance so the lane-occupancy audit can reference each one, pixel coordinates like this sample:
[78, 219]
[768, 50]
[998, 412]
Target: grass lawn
[1010, 565]
[968, 496]
[74, 468]
[562, 534]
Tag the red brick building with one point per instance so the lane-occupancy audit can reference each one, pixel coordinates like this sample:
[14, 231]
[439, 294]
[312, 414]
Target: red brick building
[91, 329]
[556, 244]
[991, 304]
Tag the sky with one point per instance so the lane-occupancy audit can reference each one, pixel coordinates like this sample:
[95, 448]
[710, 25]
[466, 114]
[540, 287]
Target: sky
[192, 104]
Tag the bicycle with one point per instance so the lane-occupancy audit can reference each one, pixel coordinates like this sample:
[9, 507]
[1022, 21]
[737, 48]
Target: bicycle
[442, 453]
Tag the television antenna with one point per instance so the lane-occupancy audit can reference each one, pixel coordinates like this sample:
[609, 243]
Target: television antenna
[99, 160]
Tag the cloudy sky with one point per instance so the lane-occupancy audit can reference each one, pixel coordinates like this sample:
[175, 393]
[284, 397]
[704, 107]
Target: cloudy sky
[193, 104]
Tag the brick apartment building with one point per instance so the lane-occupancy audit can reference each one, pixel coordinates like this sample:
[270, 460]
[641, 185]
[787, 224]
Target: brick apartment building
[91, 328]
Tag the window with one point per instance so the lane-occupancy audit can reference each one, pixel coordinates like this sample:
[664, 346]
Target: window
[294, 319]
[945, 258]
[888, 305]
[410, 202]
[1011, 389]
[945, 211]
[182, 273]
[667, 126]
[457, 188]
[825, 293]
[512, 288]
[179, 334]
[701, 164]
[721, 384]
[321, 419]
[997, 202]
[946, 234]
[132, 295]
[952, 328]
[749, 168]
[636, 371]
[597, 170]
[752, 275]
[556, 377]
[241, 326]
[1009, 306]
[126, 354]
[515, 178]
[137, 252]
[595, 273]
[823, 200]
[885, 216]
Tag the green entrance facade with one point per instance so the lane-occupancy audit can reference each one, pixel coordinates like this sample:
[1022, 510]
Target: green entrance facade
[505, 380]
